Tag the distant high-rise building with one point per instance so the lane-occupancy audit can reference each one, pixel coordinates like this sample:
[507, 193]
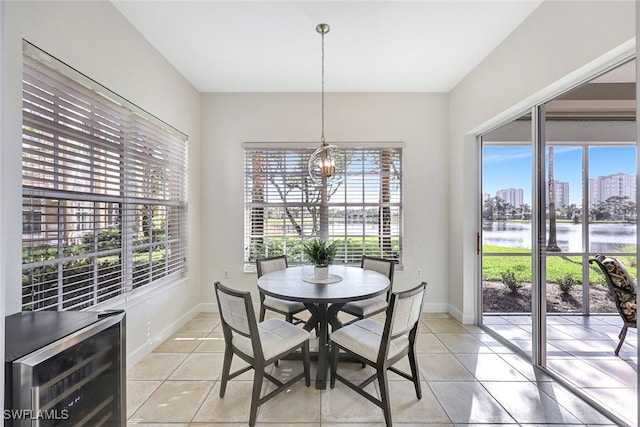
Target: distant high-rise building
[618, 184]
[561, 193]
[513, 196]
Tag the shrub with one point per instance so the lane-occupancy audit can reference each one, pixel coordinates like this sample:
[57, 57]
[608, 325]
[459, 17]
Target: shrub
[566, 284]
[510, 282]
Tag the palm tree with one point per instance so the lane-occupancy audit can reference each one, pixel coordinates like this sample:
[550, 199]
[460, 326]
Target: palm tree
[552, 245]
[384, 218]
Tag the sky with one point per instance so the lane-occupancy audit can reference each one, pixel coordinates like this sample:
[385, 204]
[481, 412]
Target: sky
[510, 167]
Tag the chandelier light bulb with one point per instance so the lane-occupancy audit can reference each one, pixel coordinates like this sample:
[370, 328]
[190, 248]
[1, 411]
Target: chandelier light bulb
[328, 166]
[323, 165]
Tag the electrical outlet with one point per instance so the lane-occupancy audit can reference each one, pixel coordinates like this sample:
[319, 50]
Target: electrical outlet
[419, 272]
[226, 273]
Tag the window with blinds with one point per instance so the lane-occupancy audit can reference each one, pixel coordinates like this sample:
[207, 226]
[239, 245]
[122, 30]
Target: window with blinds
[283, 205]
[103, 184]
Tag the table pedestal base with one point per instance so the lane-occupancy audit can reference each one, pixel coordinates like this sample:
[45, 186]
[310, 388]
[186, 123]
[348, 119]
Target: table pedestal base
[323, 315]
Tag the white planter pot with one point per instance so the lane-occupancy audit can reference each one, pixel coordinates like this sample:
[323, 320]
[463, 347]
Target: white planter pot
[321, 273]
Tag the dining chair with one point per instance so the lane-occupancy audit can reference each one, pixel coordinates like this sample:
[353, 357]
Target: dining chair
[372, 306]
[258, 344]
[622, 288]
[287, 308]
[382, 345]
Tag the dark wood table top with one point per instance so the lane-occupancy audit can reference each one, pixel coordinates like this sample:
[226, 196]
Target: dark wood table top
[356, 284]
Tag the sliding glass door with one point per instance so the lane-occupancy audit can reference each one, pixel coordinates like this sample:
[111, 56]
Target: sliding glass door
[506, 236]
[559, 187]
[590, 210]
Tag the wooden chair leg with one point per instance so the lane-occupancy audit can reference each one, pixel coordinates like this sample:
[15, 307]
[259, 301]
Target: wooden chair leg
[306, 362]
[384, 395]
[415, 372]
[622, 336]
[226, 367]
[258, 376]
[335, 352]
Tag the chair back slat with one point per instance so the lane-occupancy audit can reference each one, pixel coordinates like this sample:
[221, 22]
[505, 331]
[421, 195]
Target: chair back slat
[267, 265]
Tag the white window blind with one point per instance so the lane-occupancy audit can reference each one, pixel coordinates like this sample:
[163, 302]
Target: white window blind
[282, 203]
[104, 206]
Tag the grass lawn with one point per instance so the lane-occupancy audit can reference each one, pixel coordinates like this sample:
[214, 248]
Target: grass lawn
[558, 266]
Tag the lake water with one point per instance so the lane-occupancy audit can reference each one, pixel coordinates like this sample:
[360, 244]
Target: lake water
[602, 237]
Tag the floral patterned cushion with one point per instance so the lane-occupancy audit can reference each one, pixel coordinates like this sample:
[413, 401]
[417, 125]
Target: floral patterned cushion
[624, 287]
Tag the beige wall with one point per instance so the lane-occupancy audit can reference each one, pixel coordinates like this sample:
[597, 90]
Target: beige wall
[418, 120]
[94, 38]
[560, 44]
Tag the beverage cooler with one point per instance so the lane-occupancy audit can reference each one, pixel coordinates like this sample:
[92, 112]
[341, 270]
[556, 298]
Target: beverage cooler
[65, 369]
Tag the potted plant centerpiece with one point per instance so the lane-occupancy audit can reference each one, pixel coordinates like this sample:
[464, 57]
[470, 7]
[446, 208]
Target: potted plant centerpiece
[321, 254]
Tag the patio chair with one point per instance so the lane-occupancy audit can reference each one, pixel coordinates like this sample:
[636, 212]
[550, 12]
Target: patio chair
[381, 346]
[372, 306]
[622, 288]
[287, 308]
[258, 344]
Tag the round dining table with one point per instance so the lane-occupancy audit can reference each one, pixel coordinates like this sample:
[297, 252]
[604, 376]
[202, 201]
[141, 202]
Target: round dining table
[323, 298]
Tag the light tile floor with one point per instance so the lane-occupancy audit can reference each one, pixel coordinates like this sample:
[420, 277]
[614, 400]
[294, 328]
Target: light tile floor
[468, 378]
[580, 349]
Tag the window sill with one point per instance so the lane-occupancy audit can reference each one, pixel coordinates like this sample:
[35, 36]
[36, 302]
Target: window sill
[139, 295]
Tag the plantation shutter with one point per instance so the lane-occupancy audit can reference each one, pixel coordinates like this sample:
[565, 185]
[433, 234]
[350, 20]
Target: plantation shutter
[282, 203]
[103, 191]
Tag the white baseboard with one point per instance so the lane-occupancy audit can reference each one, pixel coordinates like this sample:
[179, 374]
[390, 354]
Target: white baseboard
[435, 307]
[207, 307]
[152, 342]
[465, 319]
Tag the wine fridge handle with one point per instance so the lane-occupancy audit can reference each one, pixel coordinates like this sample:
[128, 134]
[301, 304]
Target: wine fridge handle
[35, 406]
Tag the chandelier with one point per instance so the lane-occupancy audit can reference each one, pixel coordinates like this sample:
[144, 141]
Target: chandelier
[322, 163]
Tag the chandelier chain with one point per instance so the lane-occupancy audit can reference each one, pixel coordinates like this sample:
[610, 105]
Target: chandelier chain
[322, 85]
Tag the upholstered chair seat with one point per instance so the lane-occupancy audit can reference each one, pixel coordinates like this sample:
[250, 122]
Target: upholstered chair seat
[276, 337]
[366, 308]
[282, 306]
[364, 338]
[372, 306]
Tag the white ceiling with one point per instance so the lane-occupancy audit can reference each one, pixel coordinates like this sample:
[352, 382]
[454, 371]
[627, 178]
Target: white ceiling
[373, 46]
